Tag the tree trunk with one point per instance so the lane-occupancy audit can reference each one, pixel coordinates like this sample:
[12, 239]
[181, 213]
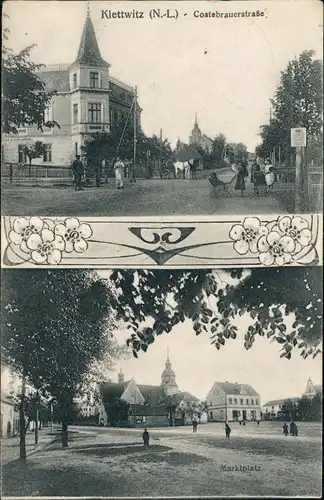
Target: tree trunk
[22, 423]
[29, 170]
[65, 437]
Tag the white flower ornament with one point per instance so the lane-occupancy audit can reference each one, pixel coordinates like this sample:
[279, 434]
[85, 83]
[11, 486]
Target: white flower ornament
[23, 228]
[46, 247]
[297, 228]
[247, 234]
[275, 249]
[74, 235]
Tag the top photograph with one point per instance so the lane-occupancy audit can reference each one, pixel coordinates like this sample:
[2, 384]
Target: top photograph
[123, 109]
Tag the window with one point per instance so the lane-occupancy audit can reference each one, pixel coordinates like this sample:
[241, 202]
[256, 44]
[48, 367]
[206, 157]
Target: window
[230, 401]
[235, 401]
[94, 111]
[75, 80]
[247, 401]
[75, 113]
[94, 79]
[22, 157]
[48, 114]
[111, 117]
[211, 415]
[47, 155]
[210, 403]
[241, 401]
[252, 401]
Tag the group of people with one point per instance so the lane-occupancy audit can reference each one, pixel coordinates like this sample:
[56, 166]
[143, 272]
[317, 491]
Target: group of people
[259, 178]
[293, 429]
[120, 170]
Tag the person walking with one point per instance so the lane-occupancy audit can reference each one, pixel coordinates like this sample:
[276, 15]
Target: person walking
[146, 438]
[269, 173]
[227, 430]
[285, 429]
[193, 168]
[78, 172]
[119, 168]
[259, 180]
[258, 422]
[194, 426]
[242, 174]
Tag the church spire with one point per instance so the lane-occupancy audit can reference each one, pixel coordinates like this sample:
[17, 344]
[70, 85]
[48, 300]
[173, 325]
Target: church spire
[196, 120]
[89, 53]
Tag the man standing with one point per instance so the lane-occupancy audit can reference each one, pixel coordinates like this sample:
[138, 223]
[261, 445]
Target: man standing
[227, 430]
[78, 172]
[194, 426]
[146, 438]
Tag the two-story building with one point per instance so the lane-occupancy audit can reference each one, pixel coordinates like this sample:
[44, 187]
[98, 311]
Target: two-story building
[228, 401]
[272, 409]
[88, 100]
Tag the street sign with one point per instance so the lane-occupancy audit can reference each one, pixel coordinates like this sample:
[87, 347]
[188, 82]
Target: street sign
[298, 137]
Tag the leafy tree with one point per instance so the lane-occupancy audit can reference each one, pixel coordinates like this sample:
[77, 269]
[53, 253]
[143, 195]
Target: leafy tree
[311, 408]
[289, 410]
[271, 297]
[33, 151]
[56, 323]
[24, 96]
[298, 102]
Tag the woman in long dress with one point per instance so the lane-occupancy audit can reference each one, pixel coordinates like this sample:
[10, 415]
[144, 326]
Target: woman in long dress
[269, 173]
[119, 173]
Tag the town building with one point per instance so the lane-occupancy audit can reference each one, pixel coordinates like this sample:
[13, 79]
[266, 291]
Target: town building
[272, 409]
[198, 139]
[228, 401]
[127, 403]
[9, 424]
[88, 100]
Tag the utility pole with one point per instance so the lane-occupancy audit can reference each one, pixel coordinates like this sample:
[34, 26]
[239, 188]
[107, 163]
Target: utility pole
[135, 130]
[160, 155]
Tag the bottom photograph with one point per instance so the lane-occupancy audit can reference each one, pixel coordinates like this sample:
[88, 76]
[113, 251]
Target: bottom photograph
[161, 383]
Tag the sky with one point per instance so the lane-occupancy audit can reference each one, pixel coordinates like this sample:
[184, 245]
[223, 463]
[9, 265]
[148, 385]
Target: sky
[225, 70]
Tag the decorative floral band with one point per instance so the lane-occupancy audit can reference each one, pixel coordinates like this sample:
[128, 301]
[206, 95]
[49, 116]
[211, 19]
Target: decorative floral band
[70, 242]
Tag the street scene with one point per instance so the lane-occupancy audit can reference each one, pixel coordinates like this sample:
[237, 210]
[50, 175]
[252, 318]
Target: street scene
[92, 144]
[104, 392]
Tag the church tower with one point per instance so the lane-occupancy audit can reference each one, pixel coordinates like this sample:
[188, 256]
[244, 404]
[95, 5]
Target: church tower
[195, 137]
[89, 88]
[169, 383]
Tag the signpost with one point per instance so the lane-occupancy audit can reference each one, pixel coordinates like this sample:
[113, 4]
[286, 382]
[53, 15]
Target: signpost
[298, 141]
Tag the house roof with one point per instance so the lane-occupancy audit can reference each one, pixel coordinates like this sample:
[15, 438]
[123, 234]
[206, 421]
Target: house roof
[235, 388]
[111, 390]
[186, 396]
[89, 52]
[187, 152]
[276, 402]
[56, 80]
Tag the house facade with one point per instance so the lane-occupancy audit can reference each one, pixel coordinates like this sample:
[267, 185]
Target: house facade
[88, 100]
[273, 408]
[131, 404]
[9, 424]
[227, 401]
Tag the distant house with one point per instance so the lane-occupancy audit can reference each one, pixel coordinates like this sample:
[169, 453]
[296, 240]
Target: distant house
[228, 401]
[132, 404]
[198, 139]
[9, 417]
[272, 409]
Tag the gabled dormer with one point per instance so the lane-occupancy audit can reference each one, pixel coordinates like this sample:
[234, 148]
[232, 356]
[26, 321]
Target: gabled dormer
[89, 70]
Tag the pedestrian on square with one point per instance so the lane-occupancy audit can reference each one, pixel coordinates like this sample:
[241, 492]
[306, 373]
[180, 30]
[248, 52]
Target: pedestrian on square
[258, 422]
[227, 430]
[194, 426]
[285, 429]
[269, 173]
[78, 172]
[119, 168]
[146, 438]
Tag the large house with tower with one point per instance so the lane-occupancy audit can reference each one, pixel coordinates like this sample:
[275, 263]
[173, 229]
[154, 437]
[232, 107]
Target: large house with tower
[228, 401]
[127, 403]
[88, 100]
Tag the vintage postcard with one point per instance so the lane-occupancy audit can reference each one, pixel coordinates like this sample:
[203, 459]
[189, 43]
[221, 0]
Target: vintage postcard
[161, 246]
